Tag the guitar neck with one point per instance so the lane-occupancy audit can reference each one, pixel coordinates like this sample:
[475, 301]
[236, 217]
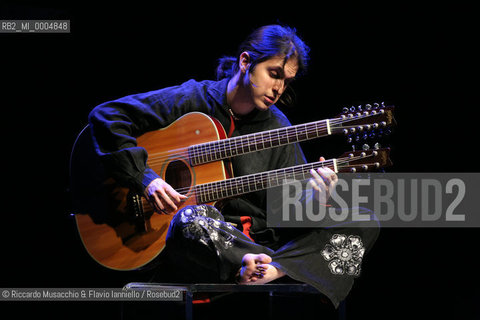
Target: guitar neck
[348, 162]
[213, 191]
[227, 148]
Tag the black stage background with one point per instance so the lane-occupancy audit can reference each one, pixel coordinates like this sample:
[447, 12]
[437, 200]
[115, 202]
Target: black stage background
[418, 57]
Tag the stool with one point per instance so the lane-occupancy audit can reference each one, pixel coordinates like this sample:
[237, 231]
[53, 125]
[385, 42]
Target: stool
[188, 290]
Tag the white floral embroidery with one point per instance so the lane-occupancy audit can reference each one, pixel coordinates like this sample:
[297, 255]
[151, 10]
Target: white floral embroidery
[198, 226]
[345, 254]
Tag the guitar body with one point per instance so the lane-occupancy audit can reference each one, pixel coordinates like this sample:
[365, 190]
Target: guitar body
[117, 227]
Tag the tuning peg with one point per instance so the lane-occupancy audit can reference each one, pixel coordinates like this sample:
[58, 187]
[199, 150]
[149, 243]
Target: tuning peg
[352, 109]
[365, 147]
[383, 104]
[368, 106]
[359, 108]
[376, 146]
[376, 105]
[345, 110]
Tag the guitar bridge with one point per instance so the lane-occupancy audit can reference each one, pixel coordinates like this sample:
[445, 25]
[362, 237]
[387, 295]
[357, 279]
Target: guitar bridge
[137, 212]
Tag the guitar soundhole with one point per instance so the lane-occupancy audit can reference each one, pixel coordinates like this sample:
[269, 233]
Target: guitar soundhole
[178, 175]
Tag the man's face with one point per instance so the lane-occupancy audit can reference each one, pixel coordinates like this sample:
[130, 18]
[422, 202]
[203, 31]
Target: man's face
[269, 80]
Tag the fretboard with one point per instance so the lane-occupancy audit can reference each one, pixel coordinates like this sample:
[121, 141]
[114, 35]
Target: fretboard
[213, 191]
[227, 148]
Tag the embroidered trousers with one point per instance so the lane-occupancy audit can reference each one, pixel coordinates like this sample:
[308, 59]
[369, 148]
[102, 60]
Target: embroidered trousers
[203, 247]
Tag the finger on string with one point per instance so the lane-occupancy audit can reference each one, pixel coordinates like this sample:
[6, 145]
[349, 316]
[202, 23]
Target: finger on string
[314, 185]
[319, 183]
[167, 199]
[172, 193]
[324, 174]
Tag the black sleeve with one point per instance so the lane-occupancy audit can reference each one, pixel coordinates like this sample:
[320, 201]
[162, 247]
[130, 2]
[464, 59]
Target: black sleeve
[116, 124]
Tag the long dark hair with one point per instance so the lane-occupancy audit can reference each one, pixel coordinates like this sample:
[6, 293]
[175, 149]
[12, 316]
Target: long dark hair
[263, 44]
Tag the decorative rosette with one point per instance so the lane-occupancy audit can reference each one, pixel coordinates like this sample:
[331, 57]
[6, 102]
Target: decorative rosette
[344, 254]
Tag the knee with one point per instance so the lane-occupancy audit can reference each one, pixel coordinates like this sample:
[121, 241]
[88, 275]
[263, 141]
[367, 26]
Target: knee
[192, 221]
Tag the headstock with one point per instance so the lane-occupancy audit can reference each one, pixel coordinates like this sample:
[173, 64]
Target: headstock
[365, 160]
[364, 122]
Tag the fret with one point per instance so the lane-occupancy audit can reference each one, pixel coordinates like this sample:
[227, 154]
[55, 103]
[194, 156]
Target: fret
[239, 190]
[223, 153]
[202, 194]
[213, 150]
[223, 189]
[208, 152]
[251, 143]
[198, 191]
[204, 152]
[303, 133]
[228, 148]
[239, 146]
[288, 173]
[310, 131]
[245, 145]
[212, 192]
[258, 142]
[272, 179]
[260, 183]
[275, 140]
[283, 136]
[316, 128]
[248, 183]
[267, 142]
[233, 147]
[197, 155]
[191, 155]
[300, 175]
[229, 188]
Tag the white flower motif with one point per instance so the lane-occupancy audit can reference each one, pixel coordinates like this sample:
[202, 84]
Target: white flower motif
[213, 236]
[198, 226]
[345, 254]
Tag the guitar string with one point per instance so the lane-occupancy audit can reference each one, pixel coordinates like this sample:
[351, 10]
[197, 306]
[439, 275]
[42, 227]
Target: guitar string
[333, 121]
[244, 140]
[263, 178]
[210, 192]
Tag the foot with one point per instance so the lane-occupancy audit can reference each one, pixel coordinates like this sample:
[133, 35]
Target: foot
[256, 269]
